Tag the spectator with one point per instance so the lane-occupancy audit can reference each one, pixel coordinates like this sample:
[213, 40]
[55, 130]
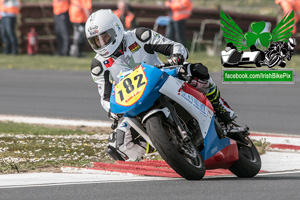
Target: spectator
[79, 11]
[289, 5]
[62, 26]
[125, 15]
[179, 11]
[10, 9]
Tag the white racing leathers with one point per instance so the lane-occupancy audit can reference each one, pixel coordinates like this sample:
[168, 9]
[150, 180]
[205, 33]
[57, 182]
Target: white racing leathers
[139, 45]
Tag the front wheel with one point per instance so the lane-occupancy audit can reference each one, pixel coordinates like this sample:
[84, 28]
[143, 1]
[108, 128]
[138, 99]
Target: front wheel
[182, 156]
[249, 162]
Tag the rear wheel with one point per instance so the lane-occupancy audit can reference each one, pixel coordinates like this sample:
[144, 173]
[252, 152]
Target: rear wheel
[249, 162]
[182, 156]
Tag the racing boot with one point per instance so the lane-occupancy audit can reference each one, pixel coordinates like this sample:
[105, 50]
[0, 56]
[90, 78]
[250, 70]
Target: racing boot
[125, 145]
[222, 109]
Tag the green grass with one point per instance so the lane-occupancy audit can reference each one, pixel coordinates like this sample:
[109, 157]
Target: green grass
[261, 145]
[48, 62]
[21, 128]
[27, 148]
[35, 148]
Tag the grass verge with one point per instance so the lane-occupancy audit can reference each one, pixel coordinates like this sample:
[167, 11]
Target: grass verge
[48, 62]
[38, 148]
[261, 145]
[28, 148]
[25, 148]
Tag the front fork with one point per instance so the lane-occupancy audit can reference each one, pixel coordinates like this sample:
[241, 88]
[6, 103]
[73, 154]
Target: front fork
[183, 133]
[171, 115]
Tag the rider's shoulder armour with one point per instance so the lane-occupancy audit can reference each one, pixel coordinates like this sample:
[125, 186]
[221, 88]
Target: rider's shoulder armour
[143, 34]
[96, 67]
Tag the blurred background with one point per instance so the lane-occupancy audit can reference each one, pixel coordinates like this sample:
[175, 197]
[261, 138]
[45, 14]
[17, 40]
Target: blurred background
[201, 40]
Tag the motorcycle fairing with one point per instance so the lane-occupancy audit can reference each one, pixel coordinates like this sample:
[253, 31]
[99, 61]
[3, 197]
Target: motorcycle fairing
[190, 99]
[223, 158]
[218, 153]
[150, 94]
[131, 88]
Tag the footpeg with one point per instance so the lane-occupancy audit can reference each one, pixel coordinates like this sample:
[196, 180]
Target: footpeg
[239, 134]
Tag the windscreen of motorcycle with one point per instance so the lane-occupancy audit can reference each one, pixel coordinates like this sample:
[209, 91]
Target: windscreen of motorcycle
[120, 69]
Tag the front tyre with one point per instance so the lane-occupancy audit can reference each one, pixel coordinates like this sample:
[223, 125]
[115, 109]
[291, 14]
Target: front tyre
[249, 162]
[182, 156]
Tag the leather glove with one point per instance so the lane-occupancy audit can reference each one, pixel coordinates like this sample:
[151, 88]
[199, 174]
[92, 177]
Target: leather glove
[176, 59]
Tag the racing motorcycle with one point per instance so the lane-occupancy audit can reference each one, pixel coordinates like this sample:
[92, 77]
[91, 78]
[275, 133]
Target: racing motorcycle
[179, 122]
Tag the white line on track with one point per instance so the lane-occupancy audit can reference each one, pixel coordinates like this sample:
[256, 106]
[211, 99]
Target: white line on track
[51, 179]
[54, 121]
[92, 123]
[55, 179]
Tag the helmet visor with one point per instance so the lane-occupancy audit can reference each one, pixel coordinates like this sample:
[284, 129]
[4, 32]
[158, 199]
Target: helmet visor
[102, 40]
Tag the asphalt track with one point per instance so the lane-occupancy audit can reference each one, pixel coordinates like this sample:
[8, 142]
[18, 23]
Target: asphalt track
[271, 186]
[73, 95]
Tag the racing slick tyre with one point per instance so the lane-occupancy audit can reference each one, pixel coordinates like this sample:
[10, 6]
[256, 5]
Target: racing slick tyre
[182, 156]
[249, 162]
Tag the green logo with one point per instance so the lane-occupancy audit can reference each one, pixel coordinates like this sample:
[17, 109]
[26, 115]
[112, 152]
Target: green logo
[234, 34]
[261, 76]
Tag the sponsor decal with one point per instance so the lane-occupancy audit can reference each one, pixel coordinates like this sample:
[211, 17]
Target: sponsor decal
[109, 62]
[134, 47]
[93, 30]
[118, 26]
[195, 102]
[122, 74]
[124, 124]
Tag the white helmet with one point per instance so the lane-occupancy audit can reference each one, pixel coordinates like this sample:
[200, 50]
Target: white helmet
[292, 43]
[104, 31]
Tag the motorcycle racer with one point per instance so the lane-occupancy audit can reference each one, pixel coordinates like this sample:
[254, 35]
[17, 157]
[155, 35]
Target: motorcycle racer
[281, 50]
[105, 33]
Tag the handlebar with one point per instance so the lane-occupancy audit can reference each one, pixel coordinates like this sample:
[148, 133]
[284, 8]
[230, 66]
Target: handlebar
[166, 66]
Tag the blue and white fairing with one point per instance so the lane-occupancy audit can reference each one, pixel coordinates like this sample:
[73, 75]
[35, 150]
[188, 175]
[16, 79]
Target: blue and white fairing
[155, 79]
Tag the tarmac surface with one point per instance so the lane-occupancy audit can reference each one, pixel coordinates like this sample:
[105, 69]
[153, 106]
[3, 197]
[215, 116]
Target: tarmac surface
[282, 156]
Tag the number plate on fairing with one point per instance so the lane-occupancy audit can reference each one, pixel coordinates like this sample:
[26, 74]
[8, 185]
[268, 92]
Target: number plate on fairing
[131, 88]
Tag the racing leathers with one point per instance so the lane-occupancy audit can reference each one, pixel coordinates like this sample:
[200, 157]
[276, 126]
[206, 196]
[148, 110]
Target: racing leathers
[142, 45]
